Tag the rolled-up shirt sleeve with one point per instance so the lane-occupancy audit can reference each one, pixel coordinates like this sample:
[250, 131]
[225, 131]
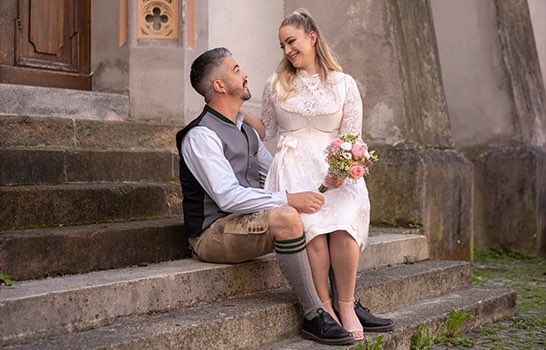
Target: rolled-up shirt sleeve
[203, 153]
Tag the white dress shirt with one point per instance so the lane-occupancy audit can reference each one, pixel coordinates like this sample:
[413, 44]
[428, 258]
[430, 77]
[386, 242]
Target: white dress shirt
[203, 153]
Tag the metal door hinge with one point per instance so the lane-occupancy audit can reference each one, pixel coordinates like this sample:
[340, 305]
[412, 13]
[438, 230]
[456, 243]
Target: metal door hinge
[19, 24]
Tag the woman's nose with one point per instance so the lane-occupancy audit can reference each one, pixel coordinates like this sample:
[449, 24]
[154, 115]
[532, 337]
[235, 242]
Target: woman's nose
[286, 50]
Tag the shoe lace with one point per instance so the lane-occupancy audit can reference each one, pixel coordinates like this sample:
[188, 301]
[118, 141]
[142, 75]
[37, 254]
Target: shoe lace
[357, 302]
[320, 312]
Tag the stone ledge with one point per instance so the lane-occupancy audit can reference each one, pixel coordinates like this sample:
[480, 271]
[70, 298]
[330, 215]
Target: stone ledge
[24, 166]
[25, 206]
[45, 101]
[39, 131]
[486, 305]
[59, 305]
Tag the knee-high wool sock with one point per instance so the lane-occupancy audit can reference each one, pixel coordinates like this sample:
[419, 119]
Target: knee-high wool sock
[294, 264]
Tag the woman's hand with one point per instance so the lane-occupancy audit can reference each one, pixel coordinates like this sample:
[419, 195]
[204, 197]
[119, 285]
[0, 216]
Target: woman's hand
[332, 181]
[256, 123]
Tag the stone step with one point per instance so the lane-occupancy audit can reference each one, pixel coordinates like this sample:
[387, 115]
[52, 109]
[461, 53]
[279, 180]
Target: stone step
[55, 251]
[89, 134]
[38, 253]
[45, 101]
[25, 206]
[191, 291]
[485, 305]
[24, 165]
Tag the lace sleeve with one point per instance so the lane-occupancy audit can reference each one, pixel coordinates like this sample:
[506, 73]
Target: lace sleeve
[352, 108]
[268, 111]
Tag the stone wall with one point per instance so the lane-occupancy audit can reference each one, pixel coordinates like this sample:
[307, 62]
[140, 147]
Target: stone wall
[495, 94]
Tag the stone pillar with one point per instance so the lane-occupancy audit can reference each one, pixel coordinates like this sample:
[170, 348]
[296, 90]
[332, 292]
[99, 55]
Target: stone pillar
[389, 47]
[109, 57]
[496, 102]
[156, 60]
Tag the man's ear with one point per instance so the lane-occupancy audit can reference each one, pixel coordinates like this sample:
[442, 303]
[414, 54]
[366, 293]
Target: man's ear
[218, 86]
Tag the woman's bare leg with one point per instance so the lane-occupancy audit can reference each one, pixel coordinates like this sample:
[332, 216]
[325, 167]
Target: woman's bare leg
[344, 255]
[319, 259]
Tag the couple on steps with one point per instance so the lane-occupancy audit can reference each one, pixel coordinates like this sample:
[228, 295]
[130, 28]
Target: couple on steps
[238, 207]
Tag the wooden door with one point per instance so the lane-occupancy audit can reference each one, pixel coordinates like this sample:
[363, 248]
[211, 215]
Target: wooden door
[45, 43]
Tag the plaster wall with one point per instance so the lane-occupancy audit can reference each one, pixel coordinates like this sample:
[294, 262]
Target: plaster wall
[537, 9]
[248, 28]
[366, 51]
[109, 61]
[475, 83]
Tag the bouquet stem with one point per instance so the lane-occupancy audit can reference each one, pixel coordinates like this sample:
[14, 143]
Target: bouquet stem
[322, 188]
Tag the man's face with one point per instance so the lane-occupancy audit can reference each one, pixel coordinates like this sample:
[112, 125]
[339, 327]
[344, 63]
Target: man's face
[235, 79]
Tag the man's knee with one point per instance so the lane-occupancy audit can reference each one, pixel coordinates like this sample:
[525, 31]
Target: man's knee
[285, 223]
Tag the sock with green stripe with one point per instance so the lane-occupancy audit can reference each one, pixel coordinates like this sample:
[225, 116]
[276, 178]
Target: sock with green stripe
[294, 264]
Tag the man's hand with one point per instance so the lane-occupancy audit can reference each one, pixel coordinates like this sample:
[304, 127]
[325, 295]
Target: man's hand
[305, 202]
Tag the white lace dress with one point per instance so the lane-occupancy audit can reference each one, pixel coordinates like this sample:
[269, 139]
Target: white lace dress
[305, 124]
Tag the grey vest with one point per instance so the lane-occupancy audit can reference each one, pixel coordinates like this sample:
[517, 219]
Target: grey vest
[240, 149]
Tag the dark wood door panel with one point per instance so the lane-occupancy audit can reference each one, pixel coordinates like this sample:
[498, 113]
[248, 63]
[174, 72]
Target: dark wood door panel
[51, 44]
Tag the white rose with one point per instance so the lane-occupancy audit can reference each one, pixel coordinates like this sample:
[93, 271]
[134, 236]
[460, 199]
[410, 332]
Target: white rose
[346, 146]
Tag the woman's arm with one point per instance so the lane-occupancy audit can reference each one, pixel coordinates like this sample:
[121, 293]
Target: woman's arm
[256, 123]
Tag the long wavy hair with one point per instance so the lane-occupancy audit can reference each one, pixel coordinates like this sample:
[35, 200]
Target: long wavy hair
[326, 60]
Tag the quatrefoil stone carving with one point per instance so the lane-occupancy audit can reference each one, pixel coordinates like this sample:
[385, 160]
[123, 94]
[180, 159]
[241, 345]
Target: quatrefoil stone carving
[157, 19]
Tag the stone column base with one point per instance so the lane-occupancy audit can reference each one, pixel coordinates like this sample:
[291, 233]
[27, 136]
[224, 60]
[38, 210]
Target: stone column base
[431, 189]
[511, 199]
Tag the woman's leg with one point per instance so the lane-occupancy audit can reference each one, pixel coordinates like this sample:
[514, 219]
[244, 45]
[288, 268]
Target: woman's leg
[344, 255]
[319, 259]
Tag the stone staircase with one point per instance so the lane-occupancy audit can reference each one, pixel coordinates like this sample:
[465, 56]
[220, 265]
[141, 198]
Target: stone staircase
[90, 220]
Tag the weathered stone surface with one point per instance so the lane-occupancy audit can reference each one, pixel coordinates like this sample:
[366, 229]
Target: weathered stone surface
[93, 166]
[485, 305]
[23, 166]
[23, 206]
[32, 131]
[425, 105]
[85, 301]
[31, 254]
[523, 69]
[36, 131]
[26, 166]
[511, 190]
[427, 188]
[392, 246]
[92, 134]
[35, 100]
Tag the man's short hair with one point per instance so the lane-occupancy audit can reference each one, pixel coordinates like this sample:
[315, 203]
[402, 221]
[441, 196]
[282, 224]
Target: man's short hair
[203, 66]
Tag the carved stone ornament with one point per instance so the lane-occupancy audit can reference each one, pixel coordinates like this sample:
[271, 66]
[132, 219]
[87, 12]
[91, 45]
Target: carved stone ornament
[157, 19]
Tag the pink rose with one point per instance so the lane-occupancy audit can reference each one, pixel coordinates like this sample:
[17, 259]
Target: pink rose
[335, 143]
[356, 170]
[358, 151]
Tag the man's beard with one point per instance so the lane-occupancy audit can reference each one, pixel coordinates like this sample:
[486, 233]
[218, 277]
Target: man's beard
[246, 96]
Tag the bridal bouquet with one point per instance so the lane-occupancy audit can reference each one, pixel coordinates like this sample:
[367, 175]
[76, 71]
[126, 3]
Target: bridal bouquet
[348, 157]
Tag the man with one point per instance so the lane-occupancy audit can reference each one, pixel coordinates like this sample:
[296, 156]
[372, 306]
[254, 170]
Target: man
[228, 217]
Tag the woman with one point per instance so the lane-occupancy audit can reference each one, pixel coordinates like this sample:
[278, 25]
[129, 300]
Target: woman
[308, 103]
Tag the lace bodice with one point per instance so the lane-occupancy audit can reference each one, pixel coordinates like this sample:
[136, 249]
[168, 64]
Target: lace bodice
[331, 107]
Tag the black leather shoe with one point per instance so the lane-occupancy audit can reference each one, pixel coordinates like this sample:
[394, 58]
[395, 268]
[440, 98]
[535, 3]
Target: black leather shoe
[370, 322]
[324, 329]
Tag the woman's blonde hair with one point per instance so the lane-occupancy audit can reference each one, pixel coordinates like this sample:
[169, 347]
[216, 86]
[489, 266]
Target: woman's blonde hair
[326, 61]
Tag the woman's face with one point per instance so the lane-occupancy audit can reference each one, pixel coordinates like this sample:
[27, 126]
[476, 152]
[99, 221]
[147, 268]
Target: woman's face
[298, 47]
